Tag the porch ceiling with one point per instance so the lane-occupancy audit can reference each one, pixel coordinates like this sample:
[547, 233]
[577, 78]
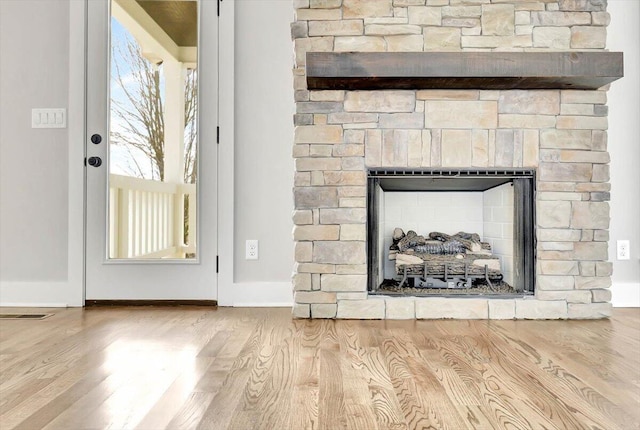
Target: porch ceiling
[178, 18]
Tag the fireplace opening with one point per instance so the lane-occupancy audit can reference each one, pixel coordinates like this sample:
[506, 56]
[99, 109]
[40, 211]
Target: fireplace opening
[439, 232]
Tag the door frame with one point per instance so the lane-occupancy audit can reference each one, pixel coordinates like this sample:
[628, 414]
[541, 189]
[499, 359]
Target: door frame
[76, 123]
[77, 131]
[226, 152]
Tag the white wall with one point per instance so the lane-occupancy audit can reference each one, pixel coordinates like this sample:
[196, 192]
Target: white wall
[624, 147]
[38, 242]
[33, 162]
[264, 108]
[255, 188]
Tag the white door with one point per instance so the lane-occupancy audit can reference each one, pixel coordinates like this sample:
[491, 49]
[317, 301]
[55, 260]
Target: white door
[152, 91]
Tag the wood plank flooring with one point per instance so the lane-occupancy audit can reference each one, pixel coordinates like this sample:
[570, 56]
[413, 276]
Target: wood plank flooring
[221, 368]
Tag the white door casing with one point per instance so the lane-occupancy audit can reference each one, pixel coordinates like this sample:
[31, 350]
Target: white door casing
[150, 279]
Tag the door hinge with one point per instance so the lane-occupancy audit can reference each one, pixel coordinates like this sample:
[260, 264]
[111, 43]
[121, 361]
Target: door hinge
[85, 161]
[217, 134]
[219, 1]
[217, 264]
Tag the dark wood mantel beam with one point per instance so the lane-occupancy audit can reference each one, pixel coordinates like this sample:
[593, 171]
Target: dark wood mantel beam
[462, 70]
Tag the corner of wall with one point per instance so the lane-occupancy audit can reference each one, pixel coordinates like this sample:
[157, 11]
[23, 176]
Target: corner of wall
[625, 295]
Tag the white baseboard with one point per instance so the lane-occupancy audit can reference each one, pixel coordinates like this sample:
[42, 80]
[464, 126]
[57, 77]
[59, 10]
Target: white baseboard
[32, 305]
[65, 294]
[40, 294]
[256, 294]
[625, 295]
[246, 294]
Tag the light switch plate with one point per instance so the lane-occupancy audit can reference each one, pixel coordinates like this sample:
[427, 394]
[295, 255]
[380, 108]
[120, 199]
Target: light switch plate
[49, 118]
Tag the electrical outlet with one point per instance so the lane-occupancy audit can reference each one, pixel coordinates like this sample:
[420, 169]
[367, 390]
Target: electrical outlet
[623, 250]
[251, 250]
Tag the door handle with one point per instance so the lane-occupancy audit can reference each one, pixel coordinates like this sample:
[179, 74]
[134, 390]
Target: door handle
[95, 161]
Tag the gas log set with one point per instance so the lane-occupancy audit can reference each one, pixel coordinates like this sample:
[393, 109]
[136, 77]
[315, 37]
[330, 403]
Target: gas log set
[460, 262]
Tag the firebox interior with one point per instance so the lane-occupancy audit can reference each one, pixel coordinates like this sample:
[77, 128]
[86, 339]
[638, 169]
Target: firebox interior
[424, 268]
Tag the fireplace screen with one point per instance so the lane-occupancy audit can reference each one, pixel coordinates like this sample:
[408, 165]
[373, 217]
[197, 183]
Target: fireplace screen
[451, 232]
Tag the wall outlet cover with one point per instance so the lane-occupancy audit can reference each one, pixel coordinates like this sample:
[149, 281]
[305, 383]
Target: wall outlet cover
[251, 250]
[623, 249]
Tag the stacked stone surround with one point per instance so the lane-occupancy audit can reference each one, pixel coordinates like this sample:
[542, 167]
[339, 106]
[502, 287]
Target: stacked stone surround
[339, 134]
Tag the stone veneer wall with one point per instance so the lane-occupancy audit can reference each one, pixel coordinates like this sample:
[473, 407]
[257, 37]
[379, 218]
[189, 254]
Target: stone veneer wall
[340, 133]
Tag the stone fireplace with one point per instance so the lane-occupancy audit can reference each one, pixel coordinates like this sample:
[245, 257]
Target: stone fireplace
[347, 129]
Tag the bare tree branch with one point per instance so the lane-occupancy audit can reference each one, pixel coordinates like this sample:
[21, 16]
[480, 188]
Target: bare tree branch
[140, 114]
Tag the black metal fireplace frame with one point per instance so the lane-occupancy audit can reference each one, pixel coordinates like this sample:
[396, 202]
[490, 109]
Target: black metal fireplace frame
[409, 179]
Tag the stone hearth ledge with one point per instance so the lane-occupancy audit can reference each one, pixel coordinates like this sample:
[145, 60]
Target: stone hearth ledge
[399, 308]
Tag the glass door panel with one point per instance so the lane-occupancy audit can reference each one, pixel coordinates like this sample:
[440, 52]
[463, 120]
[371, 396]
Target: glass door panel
[153, 139]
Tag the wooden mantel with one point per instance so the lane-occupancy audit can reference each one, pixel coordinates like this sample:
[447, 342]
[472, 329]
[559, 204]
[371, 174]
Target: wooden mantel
[462, 70]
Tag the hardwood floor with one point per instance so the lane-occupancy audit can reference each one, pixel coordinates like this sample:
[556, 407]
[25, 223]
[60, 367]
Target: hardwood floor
[208, 368]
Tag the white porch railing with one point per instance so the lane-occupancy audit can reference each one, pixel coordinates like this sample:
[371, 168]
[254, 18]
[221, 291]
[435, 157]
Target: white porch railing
[146, 218]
